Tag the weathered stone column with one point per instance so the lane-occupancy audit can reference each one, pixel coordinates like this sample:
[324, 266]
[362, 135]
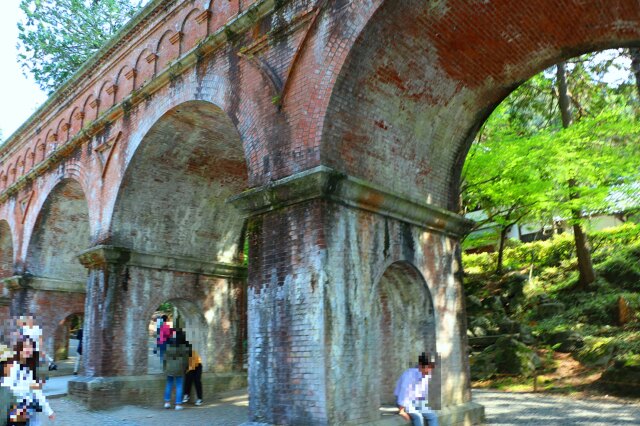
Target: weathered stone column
[125, 288]
[320, 242]
[103, 354]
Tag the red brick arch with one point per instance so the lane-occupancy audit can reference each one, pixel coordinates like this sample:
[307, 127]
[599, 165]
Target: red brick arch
[408, 84]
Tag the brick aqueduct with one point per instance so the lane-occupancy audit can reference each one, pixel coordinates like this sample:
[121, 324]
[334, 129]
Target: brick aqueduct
[328, 136]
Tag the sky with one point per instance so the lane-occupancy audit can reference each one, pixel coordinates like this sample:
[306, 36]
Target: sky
[21, 96]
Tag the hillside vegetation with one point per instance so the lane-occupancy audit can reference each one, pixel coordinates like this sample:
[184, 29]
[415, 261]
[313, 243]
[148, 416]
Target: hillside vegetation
[535, 320]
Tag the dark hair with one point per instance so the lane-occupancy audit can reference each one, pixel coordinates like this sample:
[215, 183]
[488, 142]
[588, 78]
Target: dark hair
[32, 362]
[164, 318]
[181, 338]
[426, 360]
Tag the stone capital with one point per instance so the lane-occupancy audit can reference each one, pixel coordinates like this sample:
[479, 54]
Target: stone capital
[99, 257]
[326, 183]
[28, 281]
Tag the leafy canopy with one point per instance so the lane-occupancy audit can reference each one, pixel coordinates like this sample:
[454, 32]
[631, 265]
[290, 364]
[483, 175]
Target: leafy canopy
[525, 166]
[58, 36]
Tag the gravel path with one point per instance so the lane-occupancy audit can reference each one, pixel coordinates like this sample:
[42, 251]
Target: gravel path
[501, 409]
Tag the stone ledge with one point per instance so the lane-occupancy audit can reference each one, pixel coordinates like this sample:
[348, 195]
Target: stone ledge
[102, 255]
[44, 284]
[324, 182]
[469, 413]
[99, 393]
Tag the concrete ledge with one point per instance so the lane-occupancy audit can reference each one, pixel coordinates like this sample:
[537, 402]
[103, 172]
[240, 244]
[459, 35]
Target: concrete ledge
[466, 414]
[326, 183]
[101, 255]
[99, 393]
[469, 413]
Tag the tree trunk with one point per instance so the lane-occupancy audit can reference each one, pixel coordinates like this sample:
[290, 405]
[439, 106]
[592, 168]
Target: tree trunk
[585, 266]
[563, 95]
[503, 237]
[634, 52]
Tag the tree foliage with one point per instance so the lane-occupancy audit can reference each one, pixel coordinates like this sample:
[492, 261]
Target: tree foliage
[526, 167]
[58, 36]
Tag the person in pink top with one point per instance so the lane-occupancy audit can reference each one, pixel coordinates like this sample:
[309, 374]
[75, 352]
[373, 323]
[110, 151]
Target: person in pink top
[164, 333]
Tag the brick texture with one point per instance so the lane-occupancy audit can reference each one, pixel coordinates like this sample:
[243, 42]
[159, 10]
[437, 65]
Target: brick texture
[200, 100]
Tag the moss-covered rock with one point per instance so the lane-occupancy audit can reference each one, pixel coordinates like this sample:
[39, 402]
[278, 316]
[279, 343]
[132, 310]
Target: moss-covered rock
[506, 356]
[622, 378]
[564, 341]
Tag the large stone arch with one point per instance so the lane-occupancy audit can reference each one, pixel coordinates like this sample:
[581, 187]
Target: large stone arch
[172, 197]
[172, 237]
[43, 189]
[241, 91]
[53, 282]
[420, 78]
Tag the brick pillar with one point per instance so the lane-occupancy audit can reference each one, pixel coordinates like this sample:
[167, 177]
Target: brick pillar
[102, 333]
[319, 242]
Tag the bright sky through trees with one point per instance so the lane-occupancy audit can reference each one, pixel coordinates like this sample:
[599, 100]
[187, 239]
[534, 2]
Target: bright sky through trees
[20, 95]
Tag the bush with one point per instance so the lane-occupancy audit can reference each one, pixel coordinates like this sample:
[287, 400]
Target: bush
[622, 269]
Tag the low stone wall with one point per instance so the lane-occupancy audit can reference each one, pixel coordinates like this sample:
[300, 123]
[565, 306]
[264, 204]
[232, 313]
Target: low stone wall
[98, 393]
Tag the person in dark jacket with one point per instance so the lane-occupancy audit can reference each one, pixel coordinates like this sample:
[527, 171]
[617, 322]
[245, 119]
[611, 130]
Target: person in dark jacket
[79, 352]
[176, 361]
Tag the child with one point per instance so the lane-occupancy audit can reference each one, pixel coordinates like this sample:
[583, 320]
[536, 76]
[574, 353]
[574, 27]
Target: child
[194, 375]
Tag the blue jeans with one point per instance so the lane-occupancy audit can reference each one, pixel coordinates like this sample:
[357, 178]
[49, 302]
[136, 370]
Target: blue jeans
[167, 389]
[419, 420]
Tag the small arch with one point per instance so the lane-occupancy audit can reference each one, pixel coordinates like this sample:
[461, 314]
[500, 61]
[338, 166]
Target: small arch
[124, 83]
[62, 130]
[13, 173]
[106, 97]
[75, 121]
[50, 141]
[182, 314]
[41, 151]
[145, 67]
[89, 110]
[406, 320]
[193, 29]
[65, 344]
[167, 49]
[28, 160]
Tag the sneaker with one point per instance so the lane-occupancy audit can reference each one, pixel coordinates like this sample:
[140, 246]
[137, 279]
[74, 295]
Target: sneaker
[52, 366]
[198, 402]
[179, 407]
[167, 405]
[75, 373]
[185, 398]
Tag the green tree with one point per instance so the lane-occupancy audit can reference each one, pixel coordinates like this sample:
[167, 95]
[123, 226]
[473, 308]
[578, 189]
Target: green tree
[57, 36]
[530, 162]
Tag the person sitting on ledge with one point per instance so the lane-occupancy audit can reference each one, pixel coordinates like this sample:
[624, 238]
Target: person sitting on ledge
[412, 393]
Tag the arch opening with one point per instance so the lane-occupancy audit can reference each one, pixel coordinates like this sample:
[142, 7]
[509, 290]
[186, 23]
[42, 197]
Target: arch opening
[413, 93]
[405, 328]
[183, 315]
[172, 215]
[55, 279]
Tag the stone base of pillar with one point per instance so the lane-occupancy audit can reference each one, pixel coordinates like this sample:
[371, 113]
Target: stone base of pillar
[98, 393]
[467, 414]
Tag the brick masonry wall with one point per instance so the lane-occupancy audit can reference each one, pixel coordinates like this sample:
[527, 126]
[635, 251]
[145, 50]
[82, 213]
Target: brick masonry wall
[371, 262]
[286, 316]
[391, 94]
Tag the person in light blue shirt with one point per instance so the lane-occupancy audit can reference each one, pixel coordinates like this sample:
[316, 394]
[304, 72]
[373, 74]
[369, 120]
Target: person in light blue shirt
[412, 393]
